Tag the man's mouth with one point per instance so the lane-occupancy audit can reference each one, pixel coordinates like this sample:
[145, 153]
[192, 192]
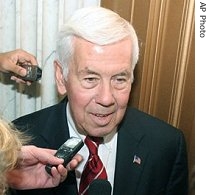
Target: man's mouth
[101, 115]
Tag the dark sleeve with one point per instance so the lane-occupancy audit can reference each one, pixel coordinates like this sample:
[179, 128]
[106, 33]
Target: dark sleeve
[178, 181]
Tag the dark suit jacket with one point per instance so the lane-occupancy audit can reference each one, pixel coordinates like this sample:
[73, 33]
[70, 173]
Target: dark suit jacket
[160, 147]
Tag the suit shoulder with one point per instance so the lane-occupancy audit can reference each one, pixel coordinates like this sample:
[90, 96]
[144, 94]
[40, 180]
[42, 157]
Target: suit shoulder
[141, 120]
[40, 116]
[137, 124]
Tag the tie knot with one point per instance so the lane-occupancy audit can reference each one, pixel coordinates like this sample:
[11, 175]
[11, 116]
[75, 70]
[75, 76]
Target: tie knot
[93, 143]
[97, 140]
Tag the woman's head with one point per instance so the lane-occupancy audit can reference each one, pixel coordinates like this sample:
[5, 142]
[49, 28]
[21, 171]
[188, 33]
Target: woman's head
[10, 145]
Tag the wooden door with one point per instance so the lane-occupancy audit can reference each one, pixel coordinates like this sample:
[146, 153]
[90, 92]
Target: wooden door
[164, 76]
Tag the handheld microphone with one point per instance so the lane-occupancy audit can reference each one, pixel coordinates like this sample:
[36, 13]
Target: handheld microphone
[100, 186]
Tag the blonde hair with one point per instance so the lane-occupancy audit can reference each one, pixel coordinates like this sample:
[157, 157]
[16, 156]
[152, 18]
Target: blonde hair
[11, 141]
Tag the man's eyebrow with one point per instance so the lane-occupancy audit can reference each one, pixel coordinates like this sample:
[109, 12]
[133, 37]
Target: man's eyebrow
[123, 73]
[87, 71]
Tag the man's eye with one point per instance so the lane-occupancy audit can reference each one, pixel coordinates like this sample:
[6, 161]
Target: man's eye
[121, 82]
[90, 79]
[89, 82]
[120, 79]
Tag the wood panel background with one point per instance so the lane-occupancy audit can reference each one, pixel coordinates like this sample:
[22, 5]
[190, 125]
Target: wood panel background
[164, 76]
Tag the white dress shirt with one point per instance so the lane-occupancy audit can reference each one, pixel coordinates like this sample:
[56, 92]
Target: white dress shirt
[106, 151]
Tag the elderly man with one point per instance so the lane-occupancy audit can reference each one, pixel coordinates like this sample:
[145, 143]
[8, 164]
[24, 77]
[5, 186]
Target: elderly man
[96, 54]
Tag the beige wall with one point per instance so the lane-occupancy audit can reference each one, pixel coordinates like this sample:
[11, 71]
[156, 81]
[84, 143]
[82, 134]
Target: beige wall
[164, 76]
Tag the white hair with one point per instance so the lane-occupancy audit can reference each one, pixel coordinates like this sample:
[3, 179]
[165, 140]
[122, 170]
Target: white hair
[98, 25]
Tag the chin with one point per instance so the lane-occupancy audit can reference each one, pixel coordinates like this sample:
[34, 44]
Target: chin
[99, 132]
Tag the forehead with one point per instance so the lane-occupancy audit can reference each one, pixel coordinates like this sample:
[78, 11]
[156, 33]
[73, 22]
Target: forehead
[81, 43]
[116, 54]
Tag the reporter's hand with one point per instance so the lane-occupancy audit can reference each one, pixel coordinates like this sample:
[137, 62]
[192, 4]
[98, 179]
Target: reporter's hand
[9, 63]
[31, 174]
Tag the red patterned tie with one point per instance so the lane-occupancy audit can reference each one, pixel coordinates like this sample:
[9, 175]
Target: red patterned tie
[94, 168]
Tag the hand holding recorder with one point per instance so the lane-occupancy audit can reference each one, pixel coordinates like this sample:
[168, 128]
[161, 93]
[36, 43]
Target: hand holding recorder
[22, 65]
[31, 174]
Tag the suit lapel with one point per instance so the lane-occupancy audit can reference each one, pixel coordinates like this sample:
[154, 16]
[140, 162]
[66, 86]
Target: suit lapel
[128, 171]
[57, 131]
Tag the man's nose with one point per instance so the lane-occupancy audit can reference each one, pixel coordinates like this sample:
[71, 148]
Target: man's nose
[105, 94]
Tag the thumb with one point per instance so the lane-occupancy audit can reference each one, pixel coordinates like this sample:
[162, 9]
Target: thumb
[19, 70]
[47, 156]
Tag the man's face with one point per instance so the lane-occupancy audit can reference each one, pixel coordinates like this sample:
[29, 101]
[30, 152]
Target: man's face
[98, 85]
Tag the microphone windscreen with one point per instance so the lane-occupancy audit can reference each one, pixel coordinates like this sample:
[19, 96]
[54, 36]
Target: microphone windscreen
[100, 187]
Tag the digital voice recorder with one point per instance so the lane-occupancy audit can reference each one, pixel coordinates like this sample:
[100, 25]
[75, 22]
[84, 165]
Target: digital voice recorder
[67, 151]
[34, 73]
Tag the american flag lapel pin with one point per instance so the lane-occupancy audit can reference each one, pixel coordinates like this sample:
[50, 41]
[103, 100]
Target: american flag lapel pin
[137, 160]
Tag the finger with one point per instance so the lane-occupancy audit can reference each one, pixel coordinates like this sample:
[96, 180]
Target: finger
[62, 171]
[19, 70]
[35, 154]
[25, 57]
[74, 162]
[50, 151]
[56, 177]
[18, 80]
[46, 156]
[78, 157]
[54, 172]
[59, 174]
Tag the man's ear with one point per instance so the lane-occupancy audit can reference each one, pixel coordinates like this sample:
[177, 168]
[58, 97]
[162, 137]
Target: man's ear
[60, 81]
